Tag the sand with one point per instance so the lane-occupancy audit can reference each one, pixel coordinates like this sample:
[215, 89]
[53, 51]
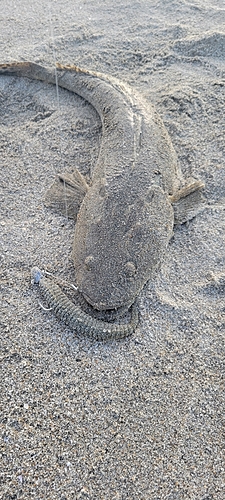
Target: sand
[142, 418]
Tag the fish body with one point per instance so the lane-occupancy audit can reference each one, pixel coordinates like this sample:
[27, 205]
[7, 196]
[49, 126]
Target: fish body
[125, 217]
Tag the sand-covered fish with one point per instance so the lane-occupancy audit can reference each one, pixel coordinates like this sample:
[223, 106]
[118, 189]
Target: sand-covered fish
[125, 217]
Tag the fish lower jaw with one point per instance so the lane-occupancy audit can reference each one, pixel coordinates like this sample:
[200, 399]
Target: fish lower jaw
[119, 308]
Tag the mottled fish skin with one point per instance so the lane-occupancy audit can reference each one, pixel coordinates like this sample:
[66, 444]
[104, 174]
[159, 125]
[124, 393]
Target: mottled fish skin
[126, 218]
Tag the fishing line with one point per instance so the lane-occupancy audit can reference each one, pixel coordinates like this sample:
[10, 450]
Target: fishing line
[52, 38]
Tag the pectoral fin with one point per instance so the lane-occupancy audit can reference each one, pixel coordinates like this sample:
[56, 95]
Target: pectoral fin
[188, 201]
[67, 193]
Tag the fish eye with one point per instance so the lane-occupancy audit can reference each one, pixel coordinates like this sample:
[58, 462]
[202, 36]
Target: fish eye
[130, 269]
[89, 262]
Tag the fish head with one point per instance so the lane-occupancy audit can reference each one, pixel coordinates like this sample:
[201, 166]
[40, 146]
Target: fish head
[118, 244]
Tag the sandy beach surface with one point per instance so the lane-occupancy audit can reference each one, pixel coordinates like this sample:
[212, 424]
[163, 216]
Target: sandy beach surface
[141, 418]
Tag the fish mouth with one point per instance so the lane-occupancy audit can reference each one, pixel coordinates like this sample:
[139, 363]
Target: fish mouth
[101, 310]
[99, 306]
